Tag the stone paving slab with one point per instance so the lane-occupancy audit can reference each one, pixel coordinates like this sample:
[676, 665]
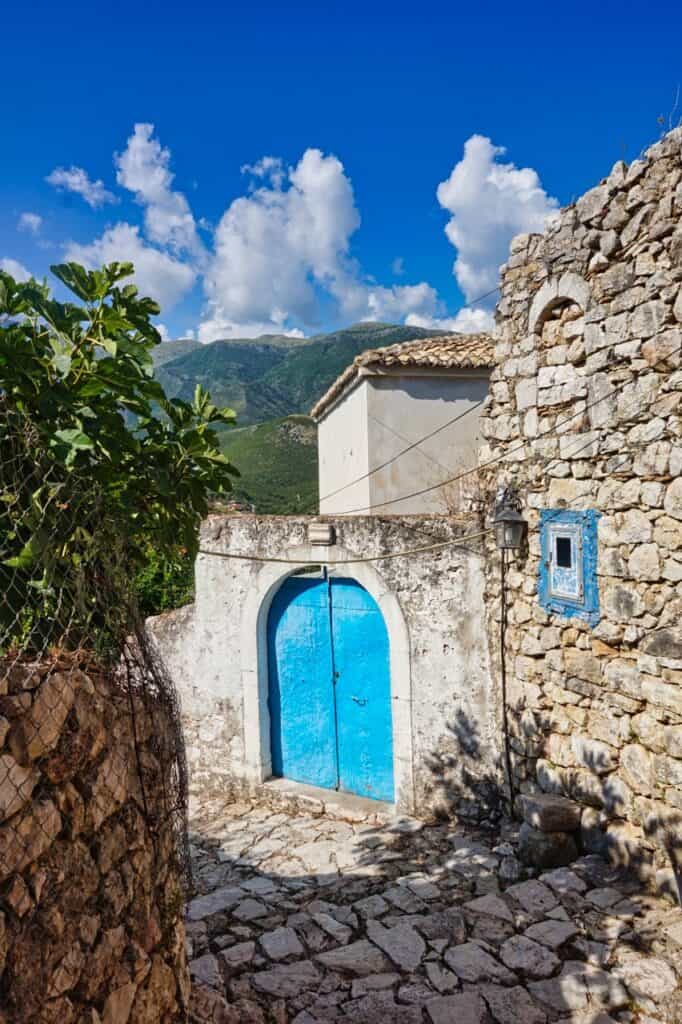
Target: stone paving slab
[302, 919]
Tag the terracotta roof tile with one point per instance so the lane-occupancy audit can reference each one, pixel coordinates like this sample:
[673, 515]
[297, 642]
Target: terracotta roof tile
[449, 351]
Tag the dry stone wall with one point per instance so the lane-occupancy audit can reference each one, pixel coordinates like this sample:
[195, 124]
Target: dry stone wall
[90, 900]
[584, 413]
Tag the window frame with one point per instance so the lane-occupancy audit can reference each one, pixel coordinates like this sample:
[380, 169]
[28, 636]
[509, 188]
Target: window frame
[571, 592]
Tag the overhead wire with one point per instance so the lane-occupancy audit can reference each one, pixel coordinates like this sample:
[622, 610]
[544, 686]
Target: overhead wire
[456, 541]
[491, 462]
[398, 455]
[415, 444]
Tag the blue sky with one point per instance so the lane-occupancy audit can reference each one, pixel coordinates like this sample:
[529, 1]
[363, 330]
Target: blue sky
[364, 111]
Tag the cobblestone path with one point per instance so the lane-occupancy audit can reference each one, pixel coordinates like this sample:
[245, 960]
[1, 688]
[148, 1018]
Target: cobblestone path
[301, 918]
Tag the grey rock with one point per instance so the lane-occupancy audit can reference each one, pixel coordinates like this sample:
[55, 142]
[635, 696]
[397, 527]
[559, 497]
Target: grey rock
[314, 937]
[649, 980]
[444, 924]
[552, 933]
[577, 984]
[281, 943]
[239, 955]
[492, 905]
[471, 963]
[249, 910]
[512, 1005]
[287, 980]
[604, 897]
[378, 1007]
[373, 983]
[522, 954]
[402, 944]
[562, 881]
[441, 978]
[371, 906]
[360, 958]
[341, 933]
[416, 993]
[463, 1008]
[205, 970]
[214, 903]
[404, 900]
[535, 898]
[546, 849]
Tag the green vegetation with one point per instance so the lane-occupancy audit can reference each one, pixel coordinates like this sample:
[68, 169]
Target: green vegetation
[97, 465]
[272, 382]
[279, 465]
[270, 377]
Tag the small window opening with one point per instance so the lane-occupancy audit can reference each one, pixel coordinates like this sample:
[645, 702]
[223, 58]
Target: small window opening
[564, 552]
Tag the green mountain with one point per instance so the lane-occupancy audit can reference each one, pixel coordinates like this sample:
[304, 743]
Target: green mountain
[277, 461]
[273, 381]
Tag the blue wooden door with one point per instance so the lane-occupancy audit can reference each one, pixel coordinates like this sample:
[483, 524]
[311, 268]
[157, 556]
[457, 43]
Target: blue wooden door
[363, 692]
[303, 730]
[330, 699]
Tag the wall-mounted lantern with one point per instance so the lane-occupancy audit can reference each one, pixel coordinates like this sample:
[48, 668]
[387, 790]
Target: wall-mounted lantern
[510, 526]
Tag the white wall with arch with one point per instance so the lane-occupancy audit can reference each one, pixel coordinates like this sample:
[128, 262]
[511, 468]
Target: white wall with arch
[444, 714]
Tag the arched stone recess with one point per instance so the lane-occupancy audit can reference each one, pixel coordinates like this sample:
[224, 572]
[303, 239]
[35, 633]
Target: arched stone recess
[569, 287]
[254, 664]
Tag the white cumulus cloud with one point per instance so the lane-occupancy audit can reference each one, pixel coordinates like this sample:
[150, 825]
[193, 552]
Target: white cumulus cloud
[30, 222]
[15, 269]
[75, 179]
[489, 202]
[157, 273]
[282, 253]
[144, 169]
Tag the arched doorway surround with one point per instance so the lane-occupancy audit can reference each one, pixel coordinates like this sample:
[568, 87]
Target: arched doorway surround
[254, 663]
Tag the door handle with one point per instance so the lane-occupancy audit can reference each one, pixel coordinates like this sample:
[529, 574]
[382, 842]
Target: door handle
[360, 700]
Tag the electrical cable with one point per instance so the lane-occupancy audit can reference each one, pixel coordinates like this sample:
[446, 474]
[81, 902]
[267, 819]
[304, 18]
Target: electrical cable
[500, 458]
[398, 455]
[453, 541]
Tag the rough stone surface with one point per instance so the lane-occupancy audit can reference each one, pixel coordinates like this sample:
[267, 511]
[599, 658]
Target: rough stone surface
[546, 849]
[574, 933]
[589, 702]
[550, 813]
[90, 908]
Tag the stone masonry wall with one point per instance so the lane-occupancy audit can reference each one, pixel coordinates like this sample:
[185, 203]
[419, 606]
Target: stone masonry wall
[584, 410]
[90, 904]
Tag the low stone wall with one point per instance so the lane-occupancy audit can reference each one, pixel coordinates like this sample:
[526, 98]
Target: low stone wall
[585, 414]
[90, 901]
[446, 732]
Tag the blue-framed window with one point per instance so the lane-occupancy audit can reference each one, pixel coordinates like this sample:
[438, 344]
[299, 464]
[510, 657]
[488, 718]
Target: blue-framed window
[568, 566]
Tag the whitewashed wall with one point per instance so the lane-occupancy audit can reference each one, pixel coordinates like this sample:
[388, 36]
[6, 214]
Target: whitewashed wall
[446, 734]
[383, 415]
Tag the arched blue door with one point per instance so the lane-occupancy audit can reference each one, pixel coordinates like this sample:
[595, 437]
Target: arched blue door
[330, 688]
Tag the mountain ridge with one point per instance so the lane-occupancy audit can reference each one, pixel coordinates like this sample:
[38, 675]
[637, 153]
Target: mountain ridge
[272, 382]
[273, 375]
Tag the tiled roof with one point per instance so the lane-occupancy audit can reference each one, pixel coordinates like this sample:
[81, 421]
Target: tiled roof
[449, 351]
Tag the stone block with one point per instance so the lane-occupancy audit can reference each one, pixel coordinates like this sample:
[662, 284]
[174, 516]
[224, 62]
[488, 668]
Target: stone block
[630, 527]
[637, 765]
[595, 755]
[16, 785]
[550, 813]
[645, 562]
[582, 665]
[38, 731]
[546, 849]
[673, 499]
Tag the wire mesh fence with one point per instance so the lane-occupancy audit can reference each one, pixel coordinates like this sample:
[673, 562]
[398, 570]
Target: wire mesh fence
[91, 749]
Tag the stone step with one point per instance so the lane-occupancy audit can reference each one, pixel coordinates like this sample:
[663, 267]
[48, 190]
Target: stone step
[549, 813]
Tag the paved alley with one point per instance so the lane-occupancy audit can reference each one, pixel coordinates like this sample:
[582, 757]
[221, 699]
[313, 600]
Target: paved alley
[303, 918]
